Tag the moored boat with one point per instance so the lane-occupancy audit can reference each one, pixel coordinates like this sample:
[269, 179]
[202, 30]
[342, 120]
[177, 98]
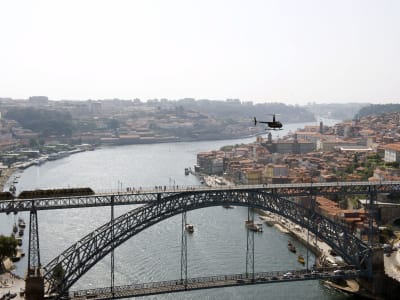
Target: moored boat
[18, 254]
[268, 220]
[257, 227]
[301, 259]
[291, 247]
[21, 223]
[227, 206]
[15, 228]
[189, 228]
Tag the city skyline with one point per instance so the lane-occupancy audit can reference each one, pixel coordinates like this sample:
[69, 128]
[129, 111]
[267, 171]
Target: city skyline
[293, 52]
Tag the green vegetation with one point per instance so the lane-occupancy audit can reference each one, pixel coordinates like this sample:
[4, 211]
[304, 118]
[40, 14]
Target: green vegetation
[226, 148]
[8, 247]
[339, 111]
[58, 272]
[45, 122]
[363, 166]
[233, 111]
[377, 109]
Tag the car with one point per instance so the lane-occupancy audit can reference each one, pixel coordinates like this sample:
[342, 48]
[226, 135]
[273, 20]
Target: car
[288, 275]
[338, 272]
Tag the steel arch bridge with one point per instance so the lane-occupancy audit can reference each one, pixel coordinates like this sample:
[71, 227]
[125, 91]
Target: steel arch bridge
[84, 254]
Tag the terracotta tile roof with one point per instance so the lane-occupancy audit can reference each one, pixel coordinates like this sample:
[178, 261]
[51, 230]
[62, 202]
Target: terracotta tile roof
[394, 147]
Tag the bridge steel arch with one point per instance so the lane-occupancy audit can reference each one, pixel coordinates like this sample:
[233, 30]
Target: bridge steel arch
[75, 261]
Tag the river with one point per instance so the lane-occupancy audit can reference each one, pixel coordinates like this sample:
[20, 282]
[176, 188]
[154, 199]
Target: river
[218, 245]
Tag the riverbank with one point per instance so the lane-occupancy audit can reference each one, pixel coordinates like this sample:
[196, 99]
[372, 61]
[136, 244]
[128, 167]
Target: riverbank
[5, 176]
[11, 284]
[321, 250]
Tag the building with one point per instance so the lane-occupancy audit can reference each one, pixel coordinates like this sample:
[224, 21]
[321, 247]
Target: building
[211, 162]
[392, 152]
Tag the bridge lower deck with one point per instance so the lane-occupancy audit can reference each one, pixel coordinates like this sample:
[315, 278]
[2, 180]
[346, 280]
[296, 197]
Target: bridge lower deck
[173, 286]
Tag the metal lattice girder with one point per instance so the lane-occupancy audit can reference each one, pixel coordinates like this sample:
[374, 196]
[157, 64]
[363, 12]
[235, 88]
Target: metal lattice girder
[250, 245]
[142, 197]
[80, 257]
[184, 249]
[34, 250]
[218, 281]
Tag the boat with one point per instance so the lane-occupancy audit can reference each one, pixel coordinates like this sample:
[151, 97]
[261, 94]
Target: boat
[257, 227]
[301, 259]
[21, 223]
[227, 206]
[291, 247]
[15, 228]
[12, 189]
[58, 155]
[189, 228]
[268, 220]
[18, 254]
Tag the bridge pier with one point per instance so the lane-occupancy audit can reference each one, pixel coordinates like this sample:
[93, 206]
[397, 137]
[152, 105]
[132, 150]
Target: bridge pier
[34, 288]
[375, 284]
[250, 246]
[184, 250]
[34, 282]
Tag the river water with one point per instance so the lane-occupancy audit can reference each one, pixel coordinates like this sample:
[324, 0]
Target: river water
[218, 245]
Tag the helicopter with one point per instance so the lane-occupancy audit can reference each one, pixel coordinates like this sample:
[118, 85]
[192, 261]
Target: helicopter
[274, 125]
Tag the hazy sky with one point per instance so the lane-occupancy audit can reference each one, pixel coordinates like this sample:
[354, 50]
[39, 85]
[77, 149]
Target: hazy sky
[287, 51]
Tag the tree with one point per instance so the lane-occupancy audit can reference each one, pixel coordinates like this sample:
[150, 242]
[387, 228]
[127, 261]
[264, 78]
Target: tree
[113, 124]
[8, 247]
[59, 274]
[44, 121]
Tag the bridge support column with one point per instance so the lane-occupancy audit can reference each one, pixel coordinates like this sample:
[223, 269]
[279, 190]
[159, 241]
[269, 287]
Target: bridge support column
[184, 250]
[34, 283]
[112, 250]
[250, 246]
[372, 230]
[375, 283]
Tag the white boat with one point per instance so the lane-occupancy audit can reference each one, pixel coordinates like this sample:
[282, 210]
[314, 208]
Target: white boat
[21, 223]
[257, 227]
[189, 228]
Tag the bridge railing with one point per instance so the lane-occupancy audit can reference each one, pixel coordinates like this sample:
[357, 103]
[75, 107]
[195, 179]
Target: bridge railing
[181, 188]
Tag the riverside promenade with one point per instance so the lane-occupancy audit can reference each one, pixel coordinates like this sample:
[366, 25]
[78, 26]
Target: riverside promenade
[309, 240]
[10, 283]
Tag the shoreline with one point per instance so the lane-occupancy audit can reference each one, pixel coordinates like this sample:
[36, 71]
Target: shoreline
[320, 249]
[5, 176]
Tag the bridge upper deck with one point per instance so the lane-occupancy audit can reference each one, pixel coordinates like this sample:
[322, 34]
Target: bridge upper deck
[145, 195]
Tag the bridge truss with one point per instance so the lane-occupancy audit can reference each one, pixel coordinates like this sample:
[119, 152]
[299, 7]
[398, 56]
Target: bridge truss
[150, 195]
[160, 204]
[80, 257]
